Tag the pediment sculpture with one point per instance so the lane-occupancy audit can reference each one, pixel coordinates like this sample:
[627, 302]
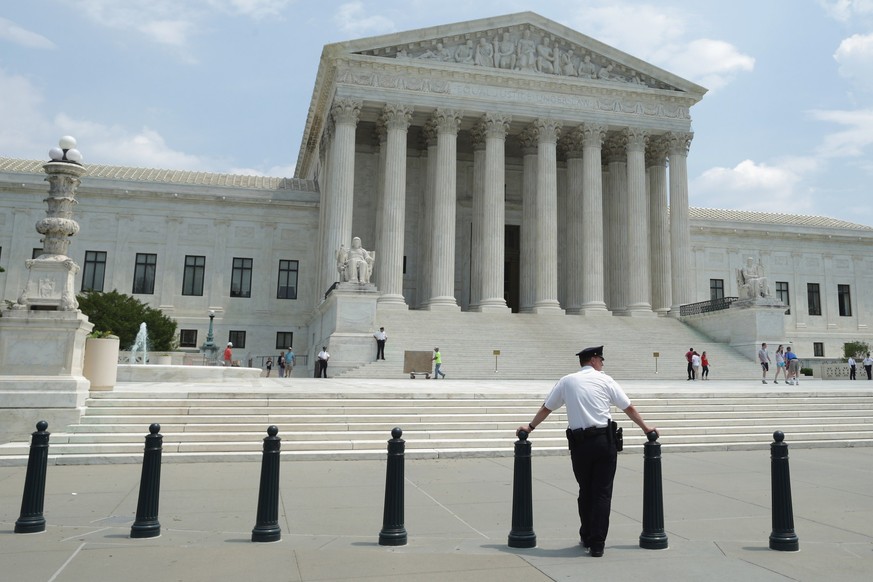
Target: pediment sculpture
[528, 49]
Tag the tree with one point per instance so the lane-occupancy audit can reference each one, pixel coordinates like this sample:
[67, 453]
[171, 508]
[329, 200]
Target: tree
[855, 349]
[122, 315]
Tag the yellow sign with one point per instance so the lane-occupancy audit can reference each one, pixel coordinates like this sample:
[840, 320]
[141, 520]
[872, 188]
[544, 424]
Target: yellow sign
[656, 354]
[496, 352]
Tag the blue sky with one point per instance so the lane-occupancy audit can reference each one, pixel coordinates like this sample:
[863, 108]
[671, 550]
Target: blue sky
[224, 85]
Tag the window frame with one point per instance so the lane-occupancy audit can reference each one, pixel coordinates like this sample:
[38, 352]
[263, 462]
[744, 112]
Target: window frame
[237, 337]
[716, 289]
[813, 298]
[149, 273]
[844, 300]
[286, 268]
[241, 277]
[284, 340]
[818, 350]
[188, 344]
[90, 267]
[194, 275]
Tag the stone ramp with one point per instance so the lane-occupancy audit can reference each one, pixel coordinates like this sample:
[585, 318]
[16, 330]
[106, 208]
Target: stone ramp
[543, 346]
[475, 420]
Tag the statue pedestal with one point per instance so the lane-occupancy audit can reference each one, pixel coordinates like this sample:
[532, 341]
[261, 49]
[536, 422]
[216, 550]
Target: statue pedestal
[745, 325]
[42, 355]
[345, 323]
[50, 284]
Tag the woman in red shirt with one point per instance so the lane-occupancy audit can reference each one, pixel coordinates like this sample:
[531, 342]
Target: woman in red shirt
[704, 363]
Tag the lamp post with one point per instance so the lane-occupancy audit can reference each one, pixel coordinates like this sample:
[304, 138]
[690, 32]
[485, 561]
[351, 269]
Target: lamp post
[208, 348]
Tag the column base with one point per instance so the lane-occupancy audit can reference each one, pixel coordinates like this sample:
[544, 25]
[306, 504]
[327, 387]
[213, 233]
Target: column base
[547, 308]
[643, 310]
[497, 305]
[392, 302]
[443, 304]
[591, 311]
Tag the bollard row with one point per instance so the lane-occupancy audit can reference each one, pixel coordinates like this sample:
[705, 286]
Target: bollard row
[393, 532]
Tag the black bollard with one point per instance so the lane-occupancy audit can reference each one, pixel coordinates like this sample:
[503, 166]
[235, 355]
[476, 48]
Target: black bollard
[782, 537]
[522, 534]
[147, 524]
[393, 532]
[653, 536]
[31, 519]
[267, 528]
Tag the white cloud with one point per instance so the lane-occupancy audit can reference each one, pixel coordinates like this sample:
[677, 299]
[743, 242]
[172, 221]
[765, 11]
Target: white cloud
[756, 186]
[851, 141]
[847, 10]
[855, 57]
[283, 171]
[253, 8]
[24, 131]
[11, 32]
[116, 145]
[662, 37]
[169, 32]
[354, 20]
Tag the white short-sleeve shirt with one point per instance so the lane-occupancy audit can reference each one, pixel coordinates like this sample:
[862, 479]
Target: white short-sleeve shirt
[587, 394]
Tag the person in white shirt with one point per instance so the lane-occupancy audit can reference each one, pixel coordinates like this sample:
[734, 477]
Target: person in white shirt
[868, 366]
[381, 338]
[588, 395]
[321, 362]
[852, 369]
[695, 365]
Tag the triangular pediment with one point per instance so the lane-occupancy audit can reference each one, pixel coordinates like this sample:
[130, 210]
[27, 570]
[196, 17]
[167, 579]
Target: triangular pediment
[525, 43]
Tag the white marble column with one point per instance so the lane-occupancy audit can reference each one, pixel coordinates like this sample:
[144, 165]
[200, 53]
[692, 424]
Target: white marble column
[477, 134]
[639, 285]
[680, 235]
[345, 114]
[617, 264]
[546, 297]
[493, 218]
[389, 259]
[574, 212]
[326, 266]
[527, 261]
[592, 221]
[444, 211]
[380, 134]
[659, 225]
[425, 251]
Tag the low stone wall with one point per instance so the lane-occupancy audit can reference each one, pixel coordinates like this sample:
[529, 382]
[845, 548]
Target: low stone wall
[155, 373]
[837, 371]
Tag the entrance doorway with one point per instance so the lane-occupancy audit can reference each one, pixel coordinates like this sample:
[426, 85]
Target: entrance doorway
[511, 269]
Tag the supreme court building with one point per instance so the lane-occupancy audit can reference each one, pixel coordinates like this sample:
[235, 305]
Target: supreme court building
[507, 165]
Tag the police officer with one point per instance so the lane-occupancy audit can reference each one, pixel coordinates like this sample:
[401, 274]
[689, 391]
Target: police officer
[588, 394]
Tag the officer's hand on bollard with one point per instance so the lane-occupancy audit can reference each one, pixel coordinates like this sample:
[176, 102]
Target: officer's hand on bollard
[652, 429]
[522, 429]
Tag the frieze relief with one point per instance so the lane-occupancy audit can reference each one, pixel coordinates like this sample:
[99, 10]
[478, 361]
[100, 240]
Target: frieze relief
[527, 49]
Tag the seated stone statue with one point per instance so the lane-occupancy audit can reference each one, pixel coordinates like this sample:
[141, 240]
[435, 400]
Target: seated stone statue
[355, 264]
[751, 282]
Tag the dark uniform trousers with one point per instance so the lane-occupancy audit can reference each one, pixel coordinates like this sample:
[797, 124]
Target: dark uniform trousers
[594, 462]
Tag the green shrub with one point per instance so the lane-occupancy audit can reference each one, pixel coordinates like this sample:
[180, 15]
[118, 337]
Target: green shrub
[114, 312]
[855, 349]
[806, 371]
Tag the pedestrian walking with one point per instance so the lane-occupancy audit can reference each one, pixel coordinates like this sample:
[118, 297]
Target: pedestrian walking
[764, 359]
[853, 370]
[704, 364]
[690, 367]
[269, 366]
[437, 362]
[591, 434]
[868, 366]
[793, 365]
[780, 365]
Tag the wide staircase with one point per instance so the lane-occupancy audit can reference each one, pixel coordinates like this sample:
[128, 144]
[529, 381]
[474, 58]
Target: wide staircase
[543, 347]
[210, 426]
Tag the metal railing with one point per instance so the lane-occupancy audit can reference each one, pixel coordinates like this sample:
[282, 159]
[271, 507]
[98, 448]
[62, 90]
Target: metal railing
[706, 306]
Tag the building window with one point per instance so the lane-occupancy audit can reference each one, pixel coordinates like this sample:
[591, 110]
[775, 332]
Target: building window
[188, 338]
[716, 289]
[284, 340]
[192, 280]
[782, 294]
[813, 297]
[241, 278]
[818, 349]
[93, 271]
[237, 338]
[144, 273]
[287, 280]
[844, 297]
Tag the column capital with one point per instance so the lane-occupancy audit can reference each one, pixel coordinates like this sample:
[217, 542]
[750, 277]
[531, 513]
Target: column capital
[346, 111]
[477, 136]
[636, 138]
[571, 144]
[496, 124]
[679, 142]
[656, 151]
[447, 120]
[615, 147]
[547, 130]
[429, 133]
[396, 116]
[593, 134]
[528, 139]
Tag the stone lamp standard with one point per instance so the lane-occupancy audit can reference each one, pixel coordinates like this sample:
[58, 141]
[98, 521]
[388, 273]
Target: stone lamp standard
[208, 348]
[46, 317]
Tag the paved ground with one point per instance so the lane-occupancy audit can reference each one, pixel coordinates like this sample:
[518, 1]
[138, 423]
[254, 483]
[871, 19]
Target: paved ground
[458, 515]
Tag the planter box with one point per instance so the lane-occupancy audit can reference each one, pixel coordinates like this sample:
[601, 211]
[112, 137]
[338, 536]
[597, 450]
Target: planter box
[101, 362]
